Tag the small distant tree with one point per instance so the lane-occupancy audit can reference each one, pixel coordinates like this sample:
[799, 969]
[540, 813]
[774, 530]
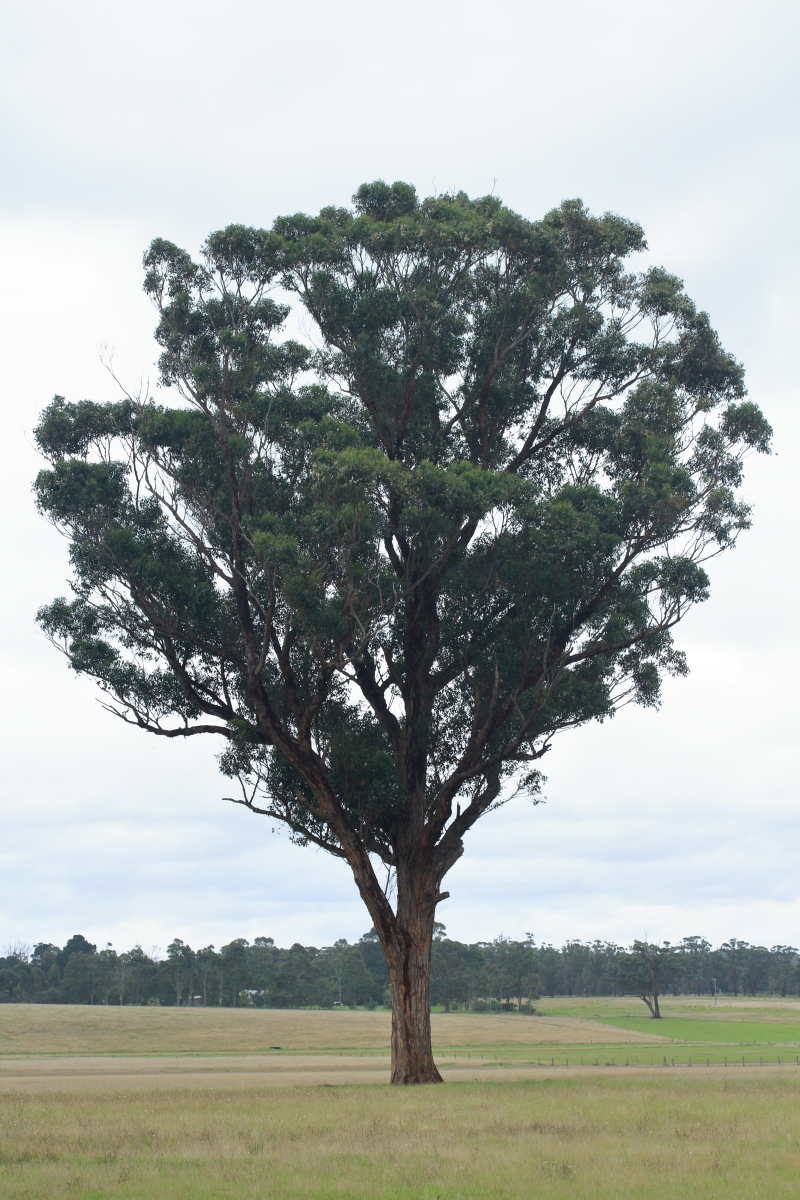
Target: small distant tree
[731, 959]
[44, 955]
[550, 967]
[235, 966]
[122, 976]
[370, 946]
[527, 979]
[390, 566]
[648, 970]
[448, 971]
[142, 972]
[334, 957]
[77, 944]
[575, 967]
[78, 983]
[783, 968]
[299, 977]
[204, 964]
[180, 968]
[356, 982]
[261, 967]
[695, 953]
[756, 970]
[105, 973]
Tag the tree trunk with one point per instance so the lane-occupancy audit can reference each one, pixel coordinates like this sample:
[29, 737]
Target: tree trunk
[409, 963]
[652, 1004]
[406, 937]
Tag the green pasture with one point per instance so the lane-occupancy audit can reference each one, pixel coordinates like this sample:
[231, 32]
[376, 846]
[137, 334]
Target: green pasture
[749, 1032]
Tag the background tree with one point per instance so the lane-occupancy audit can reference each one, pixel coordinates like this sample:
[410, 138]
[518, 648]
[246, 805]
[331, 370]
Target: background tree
[334, 961]
[180, 968]
[648, 970]
[204, 964]
[390, 570]
[357, 983]
[77, 944]
[299, 978]
[105, 973]
[122, 976]
[234, 958]
[44, 954]
[783, 968]
[526, 976]
[730, 961]
[78, 983]
[448, 963]
[370, 946]
[696, 970]
[142, 972]
[550, 967]
[575, 967]
[756, 972]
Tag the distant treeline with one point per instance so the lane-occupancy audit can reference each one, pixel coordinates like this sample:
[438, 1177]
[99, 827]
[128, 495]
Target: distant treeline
[484, 976]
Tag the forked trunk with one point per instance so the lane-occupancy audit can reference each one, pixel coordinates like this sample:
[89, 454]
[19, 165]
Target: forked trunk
[651, 1000]
[409, 962]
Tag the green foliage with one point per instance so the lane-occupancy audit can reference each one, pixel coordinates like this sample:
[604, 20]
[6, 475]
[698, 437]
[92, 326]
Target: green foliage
[648, 970]
[389, 569]
[502, 974]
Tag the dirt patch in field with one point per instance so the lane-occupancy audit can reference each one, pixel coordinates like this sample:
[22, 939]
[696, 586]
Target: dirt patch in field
[75, 1029]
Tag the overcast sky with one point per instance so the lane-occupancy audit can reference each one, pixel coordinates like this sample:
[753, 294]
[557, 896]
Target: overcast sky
[122, 123]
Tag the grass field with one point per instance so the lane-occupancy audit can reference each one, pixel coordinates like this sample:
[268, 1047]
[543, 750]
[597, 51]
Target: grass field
[752, 1032]
[192, 1104]
[75, 1029]
[588, 1138]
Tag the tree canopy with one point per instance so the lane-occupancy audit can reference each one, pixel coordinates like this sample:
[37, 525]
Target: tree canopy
[389, 563]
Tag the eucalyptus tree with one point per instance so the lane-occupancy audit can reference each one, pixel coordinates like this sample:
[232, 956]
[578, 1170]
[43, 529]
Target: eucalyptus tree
[647, 970]
[390, 563]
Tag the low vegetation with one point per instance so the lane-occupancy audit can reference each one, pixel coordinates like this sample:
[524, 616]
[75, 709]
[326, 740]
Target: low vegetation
[607, 1138]
[214, 1113]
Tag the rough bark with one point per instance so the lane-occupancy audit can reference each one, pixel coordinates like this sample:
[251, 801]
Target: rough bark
[406, 938]
[408, 958]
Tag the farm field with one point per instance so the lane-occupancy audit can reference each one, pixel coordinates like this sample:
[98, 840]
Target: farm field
[143, 1103]
[75, 1048]
[687, 1028]
[614, 1008]
[587, 1138]
[78, 1029]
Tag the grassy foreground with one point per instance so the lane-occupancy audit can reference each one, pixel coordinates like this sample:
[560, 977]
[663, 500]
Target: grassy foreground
[598, 1139]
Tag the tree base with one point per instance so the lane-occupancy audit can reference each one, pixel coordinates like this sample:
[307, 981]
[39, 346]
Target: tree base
[413, 1074]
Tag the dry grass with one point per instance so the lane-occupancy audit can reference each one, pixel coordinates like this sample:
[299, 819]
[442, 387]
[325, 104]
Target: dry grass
[247, 1071]
[74, 1029]
[588, 1139]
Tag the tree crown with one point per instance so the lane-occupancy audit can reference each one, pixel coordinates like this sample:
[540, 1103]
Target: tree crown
[389, 564]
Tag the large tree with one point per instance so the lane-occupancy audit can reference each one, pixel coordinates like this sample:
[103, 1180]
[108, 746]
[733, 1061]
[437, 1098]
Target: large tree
[390, 563]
